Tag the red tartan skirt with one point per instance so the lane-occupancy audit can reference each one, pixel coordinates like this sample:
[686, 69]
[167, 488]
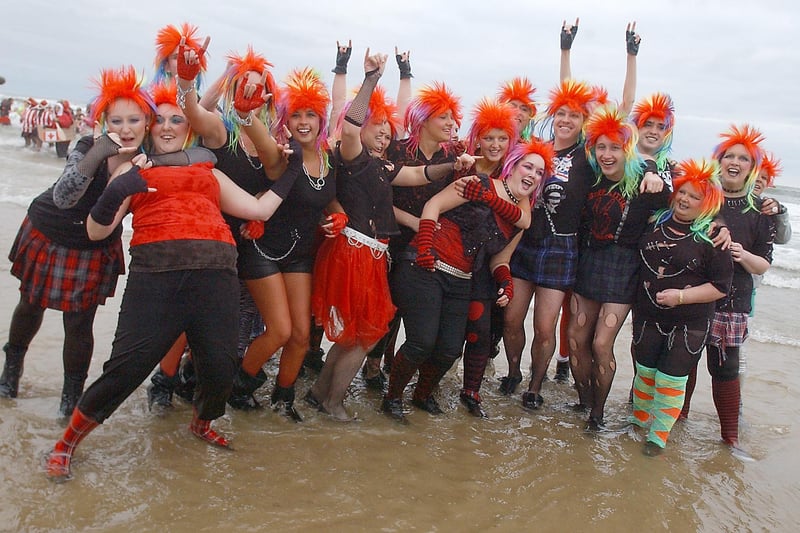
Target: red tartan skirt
[350, 297]
[66, 279]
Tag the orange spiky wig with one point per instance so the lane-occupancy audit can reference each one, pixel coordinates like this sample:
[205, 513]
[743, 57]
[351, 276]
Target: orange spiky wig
[576, 95]
[751, 139]
[381, 109]
[771, 167]
[431, 100]
[657, 106]
[608, 121]
[520, 89]
[167, 40]
[166, 92]
[703, 176]
[114, 84]
[304, 89]
[599, 96]
[525, 148]
[238, 69]
[488, 115]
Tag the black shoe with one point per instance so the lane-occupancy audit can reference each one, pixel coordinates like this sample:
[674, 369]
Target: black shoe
[159, 392]
[393, 407]
[244, 385]
[429, 404]
[377, 382]
[562, 372]
[509, 384]
[595, 423]
[70, 394]
[12, 371]
[187, 380]
[531, 400]
[313, 360]
[472, 401]
[311, 400]
[283, 402]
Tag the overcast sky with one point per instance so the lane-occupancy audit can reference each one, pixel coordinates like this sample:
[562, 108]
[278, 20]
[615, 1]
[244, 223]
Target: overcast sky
[721, 61]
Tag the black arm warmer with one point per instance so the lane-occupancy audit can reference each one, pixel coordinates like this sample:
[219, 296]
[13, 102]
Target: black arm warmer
[360, 105]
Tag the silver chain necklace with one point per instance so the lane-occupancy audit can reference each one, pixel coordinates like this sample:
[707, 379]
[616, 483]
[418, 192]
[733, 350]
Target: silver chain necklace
[255, 166]
[316, 183]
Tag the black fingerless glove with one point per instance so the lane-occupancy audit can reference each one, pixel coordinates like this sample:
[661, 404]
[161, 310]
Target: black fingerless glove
[567, 37]
[124, 185]
[102, 149]
[292, 172]
[341, 60]
[404, 66]
[631, 42]
[190, 156]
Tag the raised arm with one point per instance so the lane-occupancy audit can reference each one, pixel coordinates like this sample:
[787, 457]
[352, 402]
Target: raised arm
[250, 96]
[351, 129]
[205, 123]
[339, 87]
[632, 40]
[404, 89]
[568, 33]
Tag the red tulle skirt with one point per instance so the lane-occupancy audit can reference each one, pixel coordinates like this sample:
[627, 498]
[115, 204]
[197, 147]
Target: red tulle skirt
[351, 298]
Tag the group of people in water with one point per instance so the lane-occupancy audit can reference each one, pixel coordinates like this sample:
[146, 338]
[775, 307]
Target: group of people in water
[263, 210]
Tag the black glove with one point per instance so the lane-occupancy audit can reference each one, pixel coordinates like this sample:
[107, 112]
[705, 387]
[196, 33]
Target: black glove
[190, 156]
[102, 149]
[124, 185]
[632, 41]
[342, 57]
[404, 66]
[567, 36]
[293, 170]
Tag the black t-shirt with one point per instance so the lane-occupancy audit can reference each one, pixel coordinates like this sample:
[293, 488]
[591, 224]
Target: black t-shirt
[672, 258]
[608, 217]
[755, 232]
[67, 227]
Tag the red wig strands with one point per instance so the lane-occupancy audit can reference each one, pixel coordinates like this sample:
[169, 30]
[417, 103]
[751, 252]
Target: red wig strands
[608, 121]
[751, 139]
[488, 115]
[115, 84]
[576, 95]
[599, 96]
[168, 39]
[657, 106]
[520, 89]
[166, 92]
[703, 175]
[383, 109]
[525, 148]
[304, 89]
[431, 100]
[771, 165]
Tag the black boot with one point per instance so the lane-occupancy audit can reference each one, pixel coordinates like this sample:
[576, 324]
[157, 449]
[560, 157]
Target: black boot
[313, 360]
[244, 385]
[70, 394]
[283, 402]
[12, 370]
[159, 392]
[187, 380]
[562, 372]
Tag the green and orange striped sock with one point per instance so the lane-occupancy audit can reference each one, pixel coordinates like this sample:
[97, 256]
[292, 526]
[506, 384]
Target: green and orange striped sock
[643, 387]
[667, 403]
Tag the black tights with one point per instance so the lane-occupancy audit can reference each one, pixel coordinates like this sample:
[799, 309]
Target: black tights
[78, 335]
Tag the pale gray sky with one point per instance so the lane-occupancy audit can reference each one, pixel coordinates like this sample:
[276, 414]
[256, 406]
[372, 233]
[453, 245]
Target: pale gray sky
[722, 61]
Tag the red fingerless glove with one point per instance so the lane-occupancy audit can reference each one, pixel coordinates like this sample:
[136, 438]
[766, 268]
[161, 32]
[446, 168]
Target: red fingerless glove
[255, 228]
[502, 275]
[425, 258]
[338, 221]
[245, 105]
[476, 192]
[185, 70]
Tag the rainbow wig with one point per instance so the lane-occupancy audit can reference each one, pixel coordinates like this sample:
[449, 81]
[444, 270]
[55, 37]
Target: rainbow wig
[609, 121]
[166, 92]
[431, 100]
[751, 139]
[237, 70]
[771, 165]
[167, 40]
[489, 115]
[304, 90]
[599, 97]
[703, 176]
[657, 106]
[381, 109]
[116, 84]
[525, 148]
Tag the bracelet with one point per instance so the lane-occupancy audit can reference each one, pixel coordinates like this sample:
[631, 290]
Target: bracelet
[180, 98]
[425, 173]
[680, 297]
[246, 121]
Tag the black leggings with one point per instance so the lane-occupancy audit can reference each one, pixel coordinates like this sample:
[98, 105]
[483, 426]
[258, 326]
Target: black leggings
[674, 351]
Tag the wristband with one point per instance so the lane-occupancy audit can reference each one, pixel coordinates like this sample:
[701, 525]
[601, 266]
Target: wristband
[246, 121]
[680, 297]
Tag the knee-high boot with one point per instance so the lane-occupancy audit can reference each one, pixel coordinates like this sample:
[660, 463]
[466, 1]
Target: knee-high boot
[667, 402]
[244, 385]
[12, 370]
[643, 389]
[58, 464]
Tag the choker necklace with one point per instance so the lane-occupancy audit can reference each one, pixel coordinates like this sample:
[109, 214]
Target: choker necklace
[256, 166]
[514, 199]
[316, 183]
[732, 191]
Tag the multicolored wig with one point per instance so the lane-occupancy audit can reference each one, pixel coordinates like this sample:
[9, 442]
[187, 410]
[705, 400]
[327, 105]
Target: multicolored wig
[751, 139]
[167, 41]
[525, 148]
[703, 176]
[576, 95]
[771, 165]
[608, 121]
[115, 84]
[381, 109]
[489, 115]
[166, 92]
[599, 97]
[304, 89]
[657, 106]
[430, 101]
[238, 68]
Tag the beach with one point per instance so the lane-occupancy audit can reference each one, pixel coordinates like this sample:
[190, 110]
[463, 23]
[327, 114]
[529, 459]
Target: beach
[518, 470]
